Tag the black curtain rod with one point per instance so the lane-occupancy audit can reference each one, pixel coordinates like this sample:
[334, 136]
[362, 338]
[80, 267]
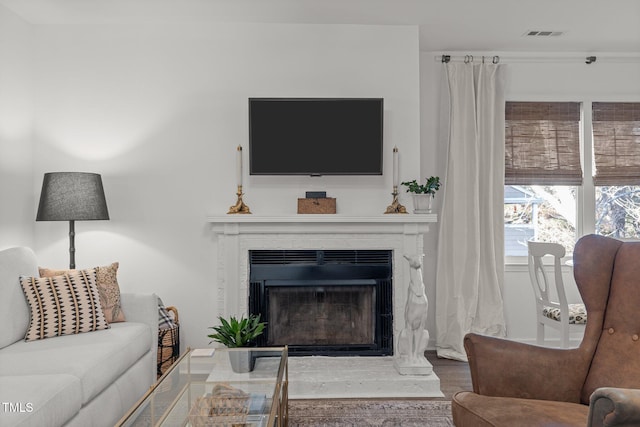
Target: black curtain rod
[469, 58]
[445, 59]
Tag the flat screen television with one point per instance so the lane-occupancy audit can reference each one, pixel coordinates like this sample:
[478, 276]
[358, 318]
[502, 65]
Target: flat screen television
[315, 136]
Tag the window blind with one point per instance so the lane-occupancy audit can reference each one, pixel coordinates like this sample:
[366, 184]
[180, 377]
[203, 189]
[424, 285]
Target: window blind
[616, 143]
[542, 143]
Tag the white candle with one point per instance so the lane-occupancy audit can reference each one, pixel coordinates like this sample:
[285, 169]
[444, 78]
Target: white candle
[239, 166]
[396, 170]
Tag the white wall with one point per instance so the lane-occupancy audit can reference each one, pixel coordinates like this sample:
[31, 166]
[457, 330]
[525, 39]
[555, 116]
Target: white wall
[542, 81]
[159, 111]
[16, 145]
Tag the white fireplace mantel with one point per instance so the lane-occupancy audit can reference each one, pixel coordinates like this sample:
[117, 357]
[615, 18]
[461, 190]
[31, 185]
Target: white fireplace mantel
[329, 223]
[237, 234]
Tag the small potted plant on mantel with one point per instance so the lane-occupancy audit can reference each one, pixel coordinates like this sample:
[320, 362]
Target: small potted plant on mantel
[234, 333]
[423, 194]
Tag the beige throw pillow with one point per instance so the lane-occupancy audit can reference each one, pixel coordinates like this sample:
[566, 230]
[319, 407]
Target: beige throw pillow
[63, 305]
[107, 283]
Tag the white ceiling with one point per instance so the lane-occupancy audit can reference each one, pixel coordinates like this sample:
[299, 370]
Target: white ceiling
[589, 26]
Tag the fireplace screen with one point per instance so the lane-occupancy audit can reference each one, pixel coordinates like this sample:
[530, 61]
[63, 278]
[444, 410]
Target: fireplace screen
[321, 315]
[324, 302]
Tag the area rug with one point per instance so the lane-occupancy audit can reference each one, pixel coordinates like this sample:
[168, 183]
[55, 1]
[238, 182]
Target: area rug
[358, 413]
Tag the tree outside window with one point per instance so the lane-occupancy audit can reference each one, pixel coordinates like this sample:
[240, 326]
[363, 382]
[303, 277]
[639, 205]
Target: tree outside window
[618, 211]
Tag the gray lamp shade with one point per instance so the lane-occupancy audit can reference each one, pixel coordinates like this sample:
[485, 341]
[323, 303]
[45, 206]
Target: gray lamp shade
[72, 196]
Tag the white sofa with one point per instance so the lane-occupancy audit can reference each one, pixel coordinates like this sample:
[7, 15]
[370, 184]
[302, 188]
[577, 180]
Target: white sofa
[88, 379]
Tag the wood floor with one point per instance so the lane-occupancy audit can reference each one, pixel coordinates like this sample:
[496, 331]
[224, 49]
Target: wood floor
[454, 376]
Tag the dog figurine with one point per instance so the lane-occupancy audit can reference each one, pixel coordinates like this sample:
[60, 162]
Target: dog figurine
[414, 338]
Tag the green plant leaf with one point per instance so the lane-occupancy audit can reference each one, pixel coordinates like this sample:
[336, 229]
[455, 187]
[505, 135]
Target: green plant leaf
[237, 333]
[429, 187]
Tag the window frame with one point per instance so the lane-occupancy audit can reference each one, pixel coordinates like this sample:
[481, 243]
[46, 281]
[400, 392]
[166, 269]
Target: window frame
[585, 193]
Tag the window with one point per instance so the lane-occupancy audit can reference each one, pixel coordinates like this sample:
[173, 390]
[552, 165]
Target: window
[544, 190]
[542, 170]
[616, 148]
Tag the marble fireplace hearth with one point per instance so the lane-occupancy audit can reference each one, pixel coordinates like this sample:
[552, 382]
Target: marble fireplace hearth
[318, 376]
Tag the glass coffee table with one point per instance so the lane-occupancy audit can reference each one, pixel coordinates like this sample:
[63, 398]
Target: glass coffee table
[202, 390]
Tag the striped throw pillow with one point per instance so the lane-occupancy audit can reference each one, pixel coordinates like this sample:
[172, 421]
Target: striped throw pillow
[63, 305]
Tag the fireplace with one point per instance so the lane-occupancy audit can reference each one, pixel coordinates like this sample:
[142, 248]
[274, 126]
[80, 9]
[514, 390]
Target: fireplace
[237, 236]
[324, 302]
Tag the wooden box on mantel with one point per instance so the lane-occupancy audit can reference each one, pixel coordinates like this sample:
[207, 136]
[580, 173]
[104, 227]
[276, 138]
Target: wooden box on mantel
[317, 206]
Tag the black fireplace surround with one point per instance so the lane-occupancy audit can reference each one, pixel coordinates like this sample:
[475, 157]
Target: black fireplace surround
[324, 302]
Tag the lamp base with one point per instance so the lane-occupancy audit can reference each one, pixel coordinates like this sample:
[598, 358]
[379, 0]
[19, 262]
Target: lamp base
[239, 207]
[72, 246]
[395, 207]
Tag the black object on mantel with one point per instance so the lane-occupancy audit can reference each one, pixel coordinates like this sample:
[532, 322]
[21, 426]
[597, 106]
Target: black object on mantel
[316, 194]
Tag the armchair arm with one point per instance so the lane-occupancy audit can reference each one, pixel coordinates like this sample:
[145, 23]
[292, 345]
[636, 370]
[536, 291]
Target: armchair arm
[512, 369]
[614, 407]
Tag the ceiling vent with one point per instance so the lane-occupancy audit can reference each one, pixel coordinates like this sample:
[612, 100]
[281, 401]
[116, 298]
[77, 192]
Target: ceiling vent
[536, 33]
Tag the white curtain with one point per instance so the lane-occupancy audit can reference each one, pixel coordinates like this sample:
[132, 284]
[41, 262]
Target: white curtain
[470, 269]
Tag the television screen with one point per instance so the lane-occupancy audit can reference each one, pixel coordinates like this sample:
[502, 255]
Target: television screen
[315, 136]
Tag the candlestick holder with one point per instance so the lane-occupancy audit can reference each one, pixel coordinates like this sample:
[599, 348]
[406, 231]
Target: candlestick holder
[395, 207]
[239, 207]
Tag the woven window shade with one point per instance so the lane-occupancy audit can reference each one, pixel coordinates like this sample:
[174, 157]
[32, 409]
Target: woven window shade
[616, 143]
[542, 143]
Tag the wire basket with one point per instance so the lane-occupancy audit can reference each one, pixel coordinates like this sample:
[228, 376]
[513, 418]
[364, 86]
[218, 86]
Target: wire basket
[168, 344]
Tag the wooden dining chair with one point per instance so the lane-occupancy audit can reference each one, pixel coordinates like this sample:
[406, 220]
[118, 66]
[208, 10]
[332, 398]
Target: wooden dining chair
[552, 308]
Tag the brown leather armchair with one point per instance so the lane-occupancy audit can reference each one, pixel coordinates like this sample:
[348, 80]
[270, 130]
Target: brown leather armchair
[596, 384]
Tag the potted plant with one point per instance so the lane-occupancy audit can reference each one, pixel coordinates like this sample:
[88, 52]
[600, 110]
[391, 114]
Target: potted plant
[423, 194]
[234, 333]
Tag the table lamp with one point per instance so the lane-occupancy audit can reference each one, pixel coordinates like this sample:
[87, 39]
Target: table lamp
[72, 196]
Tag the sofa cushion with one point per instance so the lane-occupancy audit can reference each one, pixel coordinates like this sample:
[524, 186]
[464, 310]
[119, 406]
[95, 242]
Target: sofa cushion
[63, 305]
[96, 358]
[471, 409]
[39, 400]
[109, 289]
[577, 314]
[107, 282]
[14, 312]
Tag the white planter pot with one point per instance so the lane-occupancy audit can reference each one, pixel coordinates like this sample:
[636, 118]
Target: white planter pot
[422, 203]
[241, 361]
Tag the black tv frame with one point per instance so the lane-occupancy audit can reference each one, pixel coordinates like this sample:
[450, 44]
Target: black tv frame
[379, 169]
